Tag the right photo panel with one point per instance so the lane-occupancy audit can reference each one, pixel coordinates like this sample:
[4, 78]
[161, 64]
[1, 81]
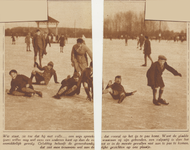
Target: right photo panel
[144, 71]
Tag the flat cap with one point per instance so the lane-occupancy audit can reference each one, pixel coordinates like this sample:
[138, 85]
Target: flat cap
[162, 57]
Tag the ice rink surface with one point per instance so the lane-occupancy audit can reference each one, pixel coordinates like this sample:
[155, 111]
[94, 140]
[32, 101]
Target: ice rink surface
[47, 113]
[137, 112]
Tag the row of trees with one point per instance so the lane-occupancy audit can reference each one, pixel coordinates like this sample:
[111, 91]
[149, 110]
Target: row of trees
[71, 32]
[133, 24]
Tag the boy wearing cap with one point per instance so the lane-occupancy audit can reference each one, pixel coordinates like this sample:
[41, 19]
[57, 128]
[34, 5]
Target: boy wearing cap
[87, 79]
[141, 41]
[116, 90]
[38, 42]
[61, 43]
[155, 81]
[68, 86]
[46, 75]
[147, 51]
[21, 85]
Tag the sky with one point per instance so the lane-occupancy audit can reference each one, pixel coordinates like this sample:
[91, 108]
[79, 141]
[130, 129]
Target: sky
[113, 7]
[67, 13]
[78, 13]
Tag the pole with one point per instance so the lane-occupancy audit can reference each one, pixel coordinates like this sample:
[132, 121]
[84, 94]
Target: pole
[75, 28]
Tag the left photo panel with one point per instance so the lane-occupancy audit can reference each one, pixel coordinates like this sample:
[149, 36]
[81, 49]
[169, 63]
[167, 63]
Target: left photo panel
[48, 79]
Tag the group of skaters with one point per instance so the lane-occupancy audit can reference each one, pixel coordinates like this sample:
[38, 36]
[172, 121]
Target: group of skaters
[46, 40]
[22, 85]
[154, 76]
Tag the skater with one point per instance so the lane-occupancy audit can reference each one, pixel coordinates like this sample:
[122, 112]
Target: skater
[68, 87]
[126, 39]
[155, 81]
[66, 38]
[159, 36]
[147, 51]
[87, 79]
[46, 39]
[21, 85]
[44, 78]
[79, 56]
[13, 39]
[137, 38]
[38, 44]
[141, 41]
[27, 41]
[62, 43]
[116, 90]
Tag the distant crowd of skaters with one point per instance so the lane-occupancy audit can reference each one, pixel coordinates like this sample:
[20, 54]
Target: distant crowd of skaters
[22, 85]
[175, 38]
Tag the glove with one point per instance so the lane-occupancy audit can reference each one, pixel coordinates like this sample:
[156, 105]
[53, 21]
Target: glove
[179, 74]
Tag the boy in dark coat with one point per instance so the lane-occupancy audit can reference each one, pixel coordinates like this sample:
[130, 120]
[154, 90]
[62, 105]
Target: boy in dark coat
[38, 42]
[87, 79]
[21, 85]
[116, 90]
[155, 81]
[27, 41]
[62, 43]
[68, 86]
[46, 75]
[147, 51]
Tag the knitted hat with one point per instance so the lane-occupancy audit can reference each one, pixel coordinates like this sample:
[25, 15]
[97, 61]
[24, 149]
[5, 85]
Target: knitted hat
[118, 76]
[50, 63]
[12, 71]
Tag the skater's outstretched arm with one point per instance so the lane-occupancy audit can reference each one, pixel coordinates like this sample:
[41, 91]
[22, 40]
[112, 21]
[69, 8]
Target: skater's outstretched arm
[89, 52]
[108, 90]
[55, 77]
[172, 70]
[13, 87]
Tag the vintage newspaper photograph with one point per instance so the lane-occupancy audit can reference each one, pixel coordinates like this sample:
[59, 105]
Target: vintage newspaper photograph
[48, 70]
[145, 101]
[144, 70]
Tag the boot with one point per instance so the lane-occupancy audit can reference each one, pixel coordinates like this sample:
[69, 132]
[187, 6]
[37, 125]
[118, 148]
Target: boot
[162, 101]
[39, 93]
[28, 94]
[155, 102]
[57, 96]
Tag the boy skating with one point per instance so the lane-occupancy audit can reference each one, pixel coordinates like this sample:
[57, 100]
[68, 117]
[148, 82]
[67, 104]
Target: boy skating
[155, 81]
[147, 51]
